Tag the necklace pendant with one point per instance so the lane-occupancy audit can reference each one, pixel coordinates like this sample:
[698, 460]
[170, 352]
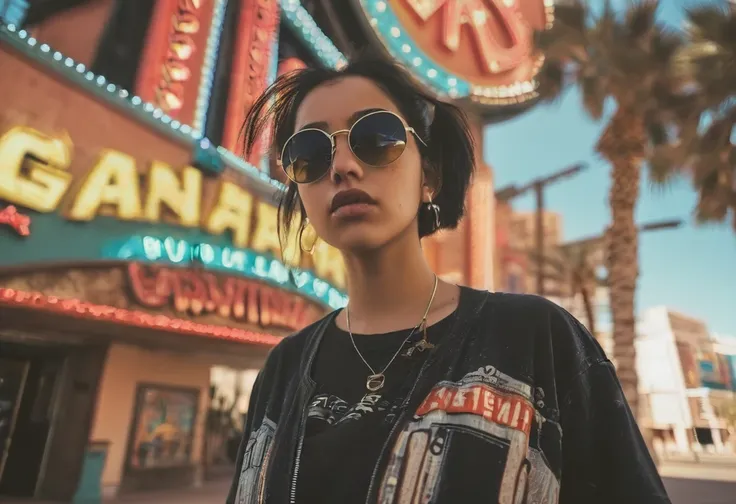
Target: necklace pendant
[375, 382]
[423, 345]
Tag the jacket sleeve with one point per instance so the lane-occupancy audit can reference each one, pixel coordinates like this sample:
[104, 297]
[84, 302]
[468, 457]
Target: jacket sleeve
[246, 435]
[605, 459]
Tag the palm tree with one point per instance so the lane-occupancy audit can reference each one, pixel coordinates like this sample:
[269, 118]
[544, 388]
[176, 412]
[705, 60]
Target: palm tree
[572, 271]
[624, 61]
[706, 151]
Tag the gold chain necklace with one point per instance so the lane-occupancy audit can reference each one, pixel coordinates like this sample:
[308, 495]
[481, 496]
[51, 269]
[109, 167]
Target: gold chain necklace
[375, 381]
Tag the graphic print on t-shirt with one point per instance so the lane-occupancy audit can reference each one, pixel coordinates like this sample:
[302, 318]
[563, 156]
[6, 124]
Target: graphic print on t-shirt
[336, 411]
[488, 414]
[254, 458]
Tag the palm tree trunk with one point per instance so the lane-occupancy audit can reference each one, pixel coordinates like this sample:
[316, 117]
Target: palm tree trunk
[623, 145]
[588, 305]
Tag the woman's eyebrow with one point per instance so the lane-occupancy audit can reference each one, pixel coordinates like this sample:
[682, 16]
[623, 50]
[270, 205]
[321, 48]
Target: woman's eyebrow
[322, 125]
[315, 125]
[360, 113]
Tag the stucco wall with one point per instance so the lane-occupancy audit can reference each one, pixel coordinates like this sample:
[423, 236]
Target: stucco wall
[126, 367]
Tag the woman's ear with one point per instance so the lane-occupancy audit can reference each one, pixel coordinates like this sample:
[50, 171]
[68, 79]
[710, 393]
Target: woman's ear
[427, 193]
[431, 183]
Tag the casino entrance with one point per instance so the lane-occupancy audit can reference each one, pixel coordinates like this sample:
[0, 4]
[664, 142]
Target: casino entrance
[46, 403]
[40, 396]
[28, 377]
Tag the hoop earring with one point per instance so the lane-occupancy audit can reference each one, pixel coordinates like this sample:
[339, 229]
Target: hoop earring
[435, 209]
[310, 249]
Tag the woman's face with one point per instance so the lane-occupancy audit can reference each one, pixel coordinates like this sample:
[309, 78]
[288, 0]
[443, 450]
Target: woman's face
[393, 192]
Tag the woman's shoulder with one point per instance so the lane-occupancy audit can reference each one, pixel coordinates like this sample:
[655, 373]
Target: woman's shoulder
[535, 319]
[512, 305]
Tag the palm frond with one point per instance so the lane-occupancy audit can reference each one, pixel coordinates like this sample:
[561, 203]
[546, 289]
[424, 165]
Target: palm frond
[665, 44]
[712, 22]
[665, 163]
[606, 25]
[640, 19]
[710, 209]
[594, 93]
[573, 14]
[551, 80]
[658, 132]
[711, 55]
[717, 134]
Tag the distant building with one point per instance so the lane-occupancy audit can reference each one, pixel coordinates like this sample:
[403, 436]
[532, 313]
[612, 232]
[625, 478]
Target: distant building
[511, 258]
[685, 380]
[516, 247]
[524, 226]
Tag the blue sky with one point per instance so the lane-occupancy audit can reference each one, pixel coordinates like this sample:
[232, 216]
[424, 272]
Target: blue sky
[691, 269]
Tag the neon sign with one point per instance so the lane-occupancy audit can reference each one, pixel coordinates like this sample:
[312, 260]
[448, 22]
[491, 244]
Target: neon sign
[18, 222]
[434, 37]
[35, 172]
[174, 54]
[201, 293]
[257, 27]
[244, 262]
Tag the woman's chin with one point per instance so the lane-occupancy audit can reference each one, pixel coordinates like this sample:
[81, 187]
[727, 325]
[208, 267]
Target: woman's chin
[357, 240]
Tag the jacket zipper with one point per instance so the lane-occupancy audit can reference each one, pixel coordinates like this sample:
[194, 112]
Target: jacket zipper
[264, 468]
[297, 460]
[390, 437]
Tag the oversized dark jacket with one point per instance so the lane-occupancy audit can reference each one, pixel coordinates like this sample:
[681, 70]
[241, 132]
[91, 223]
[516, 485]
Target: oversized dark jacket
[517, 405]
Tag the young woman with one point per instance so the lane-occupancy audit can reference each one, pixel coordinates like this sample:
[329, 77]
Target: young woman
[419, 390]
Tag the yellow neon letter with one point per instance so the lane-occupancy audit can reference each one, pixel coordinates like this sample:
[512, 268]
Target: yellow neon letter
[113, 181]
[232, 211]
[46, 160]
[181, 196]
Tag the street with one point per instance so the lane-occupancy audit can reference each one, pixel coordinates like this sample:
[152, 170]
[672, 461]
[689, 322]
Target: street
[688, 491]
[681, 491]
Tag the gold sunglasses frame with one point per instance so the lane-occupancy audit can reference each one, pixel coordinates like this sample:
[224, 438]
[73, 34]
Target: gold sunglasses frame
[333, 143]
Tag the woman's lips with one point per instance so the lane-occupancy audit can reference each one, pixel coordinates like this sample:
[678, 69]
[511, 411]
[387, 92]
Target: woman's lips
[351, 203]
[353, 210]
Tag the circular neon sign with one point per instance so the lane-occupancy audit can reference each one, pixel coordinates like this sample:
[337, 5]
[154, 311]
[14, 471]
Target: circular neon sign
[476, 49]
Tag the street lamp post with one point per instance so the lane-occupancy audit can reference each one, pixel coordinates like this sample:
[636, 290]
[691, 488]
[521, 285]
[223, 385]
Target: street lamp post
[538, 186]
[642, 228]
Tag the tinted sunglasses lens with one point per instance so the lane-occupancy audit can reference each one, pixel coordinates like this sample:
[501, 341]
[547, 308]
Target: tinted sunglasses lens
[378, 139]
[307, 156]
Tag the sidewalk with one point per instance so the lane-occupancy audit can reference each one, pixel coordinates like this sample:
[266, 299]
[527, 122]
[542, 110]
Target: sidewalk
[713, 471]
[703, 466]
[212, 492]
[682, 483]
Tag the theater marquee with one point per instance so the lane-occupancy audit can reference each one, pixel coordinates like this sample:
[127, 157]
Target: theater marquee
[480, 50]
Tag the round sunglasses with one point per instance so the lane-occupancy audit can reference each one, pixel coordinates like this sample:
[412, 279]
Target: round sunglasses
[376, 139]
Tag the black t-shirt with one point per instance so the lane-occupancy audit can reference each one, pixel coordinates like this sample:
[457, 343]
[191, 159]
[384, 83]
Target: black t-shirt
[347, 425]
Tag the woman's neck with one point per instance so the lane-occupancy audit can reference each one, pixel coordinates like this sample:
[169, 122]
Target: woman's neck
[389, 289]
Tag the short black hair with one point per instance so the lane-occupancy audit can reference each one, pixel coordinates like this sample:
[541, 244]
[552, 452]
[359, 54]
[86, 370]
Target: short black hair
[448, 160]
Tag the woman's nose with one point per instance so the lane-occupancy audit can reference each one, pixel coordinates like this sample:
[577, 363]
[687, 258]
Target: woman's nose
[344, 163]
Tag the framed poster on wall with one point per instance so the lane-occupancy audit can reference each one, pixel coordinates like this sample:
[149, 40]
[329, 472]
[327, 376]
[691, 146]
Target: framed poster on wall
[162, 432]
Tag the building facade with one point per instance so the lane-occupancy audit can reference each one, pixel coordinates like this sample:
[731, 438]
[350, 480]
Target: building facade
[516, 260]
[137, 256]
[127, 272]
[686, 383]
[512, 263]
